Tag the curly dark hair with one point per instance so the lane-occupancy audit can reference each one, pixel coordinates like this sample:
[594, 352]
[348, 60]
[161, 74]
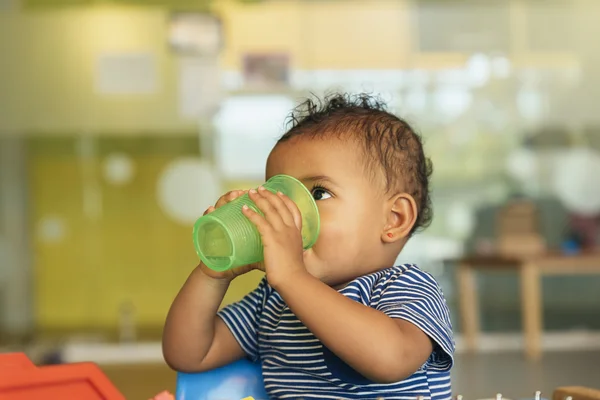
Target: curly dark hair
[389, 142]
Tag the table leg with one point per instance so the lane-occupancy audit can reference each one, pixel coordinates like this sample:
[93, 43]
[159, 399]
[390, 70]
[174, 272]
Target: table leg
[531, 308]
[469, 306]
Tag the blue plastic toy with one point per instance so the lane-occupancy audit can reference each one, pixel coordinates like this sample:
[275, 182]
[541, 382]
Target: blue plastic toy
[235, 381]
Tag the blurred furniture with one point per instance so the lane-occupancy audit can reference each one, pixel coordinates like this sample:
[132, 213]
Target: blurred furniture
[237, 380]
[586, 230]
[518, 229]
[20, 379]
[576, 393]
[530, 270]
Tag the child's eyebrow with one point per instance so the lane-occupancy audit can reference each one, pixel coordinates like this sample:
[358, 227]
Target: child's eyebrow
[317, 178]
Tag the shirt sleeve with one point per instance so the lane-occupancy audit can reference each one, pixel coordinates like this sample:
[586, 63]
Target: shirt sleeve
[416, 297]
[242, 319]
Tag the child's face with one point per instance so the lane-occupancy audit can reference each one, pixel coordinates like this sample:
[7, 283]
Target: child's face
[352, 206]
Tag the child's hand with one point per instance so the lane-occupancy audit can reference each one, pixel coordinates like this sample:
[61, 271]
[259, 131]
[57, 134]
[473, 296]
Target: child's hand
[280, 230]
[231, 273]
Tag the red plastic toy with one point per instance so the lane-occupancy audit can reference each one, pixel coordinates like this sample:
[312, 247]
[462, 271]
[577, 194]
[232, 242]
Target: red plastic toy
[20, 379]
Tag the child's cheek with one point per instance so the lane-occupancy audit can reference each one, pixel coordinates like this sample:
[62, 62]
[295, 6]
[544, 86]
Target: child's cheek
[333, 239]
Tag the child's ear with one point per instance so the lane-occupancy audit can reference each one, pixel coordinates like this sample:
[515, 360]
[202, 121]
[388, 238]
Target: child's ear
[401, 217]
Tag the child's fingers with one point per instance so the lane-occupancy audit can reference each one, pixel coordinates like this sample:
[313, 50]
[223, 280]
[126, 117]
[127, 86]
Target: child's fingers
[209, 210]
[279, 205]
[263, 226]
[264, 205]
[229, 197]
[293, 209]
[226, 198]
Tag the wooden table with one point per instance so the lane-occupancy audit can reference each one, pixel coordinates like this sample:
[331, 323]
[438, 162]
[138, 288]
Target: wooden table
[530, 271]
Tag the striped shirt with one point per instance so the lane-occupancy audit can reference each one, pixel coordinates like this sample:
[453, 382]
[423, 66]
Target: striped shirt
[297, 365]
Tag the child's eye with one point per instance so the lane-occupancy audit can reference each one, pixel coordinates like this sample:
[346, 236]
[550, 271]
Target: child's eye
[320, 194]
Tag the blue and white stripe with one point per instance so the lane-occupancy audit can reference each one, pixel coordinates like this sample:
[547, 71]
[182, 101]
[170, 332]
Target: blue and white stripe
[296, 364]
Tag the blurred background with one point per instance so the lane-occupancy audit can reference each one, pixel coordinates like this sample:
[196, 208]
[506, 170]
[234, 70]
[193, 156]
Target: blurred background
[122, 120]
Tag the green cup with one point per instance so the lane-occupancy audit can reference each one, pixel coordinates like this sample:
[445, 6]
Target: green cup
[226, 239]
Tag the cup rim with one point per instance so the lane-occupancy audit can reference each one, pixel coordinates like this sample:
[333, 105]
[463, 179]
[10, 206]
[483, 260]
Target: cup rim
[203, 221]
[312, 202]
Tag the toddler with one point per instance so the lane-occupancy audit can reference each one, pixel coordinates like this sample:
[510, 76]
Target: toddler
[338, 321]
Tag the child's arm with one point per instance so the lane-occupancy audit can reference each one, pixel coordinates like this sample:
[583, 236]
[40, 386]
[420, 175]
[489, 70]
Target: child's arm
[380, 348]
[194, 338]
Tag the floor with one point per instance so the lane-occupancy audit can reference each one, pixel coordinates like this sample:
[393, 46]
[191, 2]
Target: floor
[474, 377]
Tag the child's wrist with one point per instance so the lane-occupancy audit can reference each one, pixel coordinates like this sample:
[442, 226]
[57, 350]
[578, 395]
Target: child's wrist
[221, 281]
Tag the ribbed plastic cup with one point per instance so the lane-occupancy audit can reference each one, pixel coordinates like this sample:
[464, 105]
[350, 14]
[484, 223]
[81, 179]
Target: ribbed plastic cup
[226, 239]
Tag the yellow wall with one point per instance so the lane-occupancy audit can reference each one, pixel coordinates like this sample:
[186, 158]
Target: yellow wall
[134, 252]
[319, 35]
[374, 34]
[48, 64]
[49, 57]
[131, 251]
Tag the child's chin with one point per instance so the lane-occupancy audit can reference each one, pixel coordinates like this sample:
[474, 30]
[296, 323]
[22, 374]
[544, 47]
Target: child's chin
[336, 282]
[325, 272]
[314, 272]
